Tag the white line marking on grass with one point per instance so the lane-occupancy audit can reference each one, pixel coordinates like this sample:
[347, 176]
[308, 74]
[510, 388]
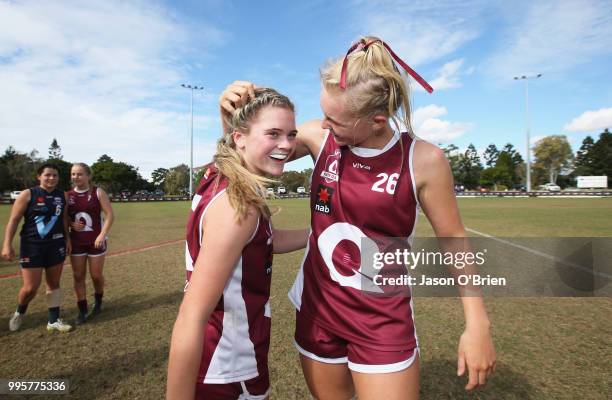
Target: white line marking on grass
[538, 253]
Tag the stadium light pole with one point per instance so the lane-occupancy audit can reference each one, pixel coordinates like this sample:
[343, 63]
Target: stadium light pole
[191, 88]
[526, 79]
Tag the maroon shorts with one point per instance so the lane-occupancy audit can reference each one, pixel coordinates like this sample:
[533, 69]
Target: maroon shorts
[252, 389]
[317, 343]
[88, 250]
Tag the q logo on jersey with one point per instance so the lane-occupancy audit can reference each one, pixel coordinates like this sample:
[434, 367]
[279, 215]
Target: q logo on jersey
[330, 173]
[85, 219]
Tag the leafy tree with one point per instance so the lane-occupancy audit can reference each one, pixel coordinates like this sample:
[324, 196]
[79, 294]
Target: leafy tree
[470, 167]
[292, 180]
[55, 151]
[513, 163]
[177, 180]
[584, 158]
[115, 176]
[553, 154]
[495, 176]
[490, 155]
[602, 155]
[18, 170]
[159, 176]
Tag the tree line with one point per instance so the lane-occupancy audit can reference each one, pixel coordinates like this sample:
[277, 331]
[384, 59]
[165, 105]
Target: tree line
[553, 161]
[499, 168]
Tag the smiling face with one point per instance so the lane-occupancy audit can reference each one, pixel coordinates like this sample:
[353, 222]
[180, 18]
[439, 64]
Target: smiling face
[269, 142]
[79, 177]
[48, 178]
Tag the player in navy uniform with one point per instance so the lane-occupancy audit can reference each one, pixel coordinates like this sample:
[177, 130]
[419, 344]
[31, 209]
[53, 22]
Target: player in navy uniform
[221, 336]
[44, 245]
[369, 180]
[89, 228]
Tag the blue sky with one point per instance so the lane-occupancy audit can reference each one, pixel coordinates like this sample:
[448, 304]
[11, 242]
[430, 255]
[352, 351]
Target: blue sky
[104, 76]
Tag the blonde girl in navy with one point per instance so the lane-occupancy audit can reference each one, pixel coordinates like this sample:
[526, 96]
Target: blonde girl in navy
[91, 217]
[44, 245]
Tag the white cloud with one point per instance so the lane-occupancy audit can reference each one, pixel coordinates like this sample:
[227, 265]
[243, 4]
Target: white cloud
[421, 31]
[428, 125]
[90, 74]
[552, 37]
[448, 76]
[591, 121]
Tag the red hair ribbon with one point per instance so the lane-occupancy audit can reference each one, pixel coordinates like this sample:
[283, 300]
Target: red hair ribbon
[362, 45]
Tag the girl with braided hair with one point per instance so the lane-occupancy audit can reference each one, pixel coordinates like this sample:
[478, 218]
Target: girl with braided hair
[371, 178]
[221, 336]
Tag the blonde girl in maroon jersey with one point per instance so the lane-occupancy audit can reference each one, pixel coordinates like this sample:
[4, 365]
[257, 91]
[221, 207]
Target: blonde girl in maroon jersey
[88, 231]
[363, 98]
[221, 335]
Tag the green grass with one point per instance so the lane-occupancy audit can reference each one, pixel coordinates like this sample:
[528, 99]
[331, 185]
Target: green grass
[547, 348]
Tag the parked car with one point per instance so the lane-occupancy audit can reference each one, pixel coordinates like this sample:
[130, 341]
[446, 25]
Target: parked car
[270, 191]
[281, 190]
[551, 187]
[301, 190]
[519, 188]
[159, 193]
[14, 194]
[459, 188]
[126, 194]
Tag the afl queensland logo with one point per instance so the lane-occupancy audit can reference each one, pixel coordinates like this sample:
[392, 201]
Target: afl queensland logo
[330, 173]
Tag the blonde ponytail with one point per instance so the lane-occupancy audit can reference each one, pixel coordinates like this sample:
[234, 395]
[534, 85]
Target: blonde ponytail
[372, 81]
[246, 188]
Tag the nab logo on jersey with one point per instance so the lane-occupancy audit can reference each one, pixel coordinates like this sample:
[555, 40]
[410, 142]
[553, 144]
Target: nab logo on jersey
[324, 196]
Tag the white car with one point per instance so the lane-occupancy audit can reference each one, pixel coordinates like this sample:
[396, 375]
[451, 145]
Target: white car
[15, 194]
[301, 190]
[281, 190]
[551, 187]
[270, 191]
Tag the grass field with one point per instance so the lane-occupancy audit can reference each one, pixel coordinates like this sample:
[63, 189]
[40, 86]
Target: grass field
[548, 348]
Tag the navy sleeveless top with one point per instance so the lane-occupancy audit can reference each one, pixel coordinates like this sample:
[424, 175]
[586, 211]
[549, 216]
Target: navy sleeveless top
[44, 217]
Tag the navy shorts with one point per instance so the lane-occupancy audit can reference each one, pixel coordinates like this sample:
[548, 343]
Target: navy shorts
[42, 255]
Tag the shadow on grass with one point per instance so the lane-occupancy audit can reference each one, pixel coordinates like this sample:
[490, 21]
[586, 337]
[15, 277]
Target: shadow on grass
[438, 381]
[113, 375]
[113, 308]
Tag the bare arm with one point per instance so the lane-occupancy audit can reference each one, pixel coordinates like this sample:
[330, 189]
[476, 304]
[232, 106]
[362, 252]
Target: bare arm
[224, 239]
[309, 139]
[17, 212]
[435, 191]
[288, 240]
[109, 217]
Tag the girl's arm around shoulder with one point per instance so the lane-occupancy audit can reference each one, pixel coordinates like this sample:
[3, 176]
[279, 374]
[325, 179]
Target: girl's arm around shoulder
[288, 240]
[309, 139]
[223, 238]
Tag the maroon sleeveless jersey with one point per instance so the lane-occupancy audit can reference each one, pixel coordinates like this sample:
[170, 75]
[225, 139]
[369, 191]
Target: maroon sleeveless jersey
[237, 335]
[355, 193]
[85, 207]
